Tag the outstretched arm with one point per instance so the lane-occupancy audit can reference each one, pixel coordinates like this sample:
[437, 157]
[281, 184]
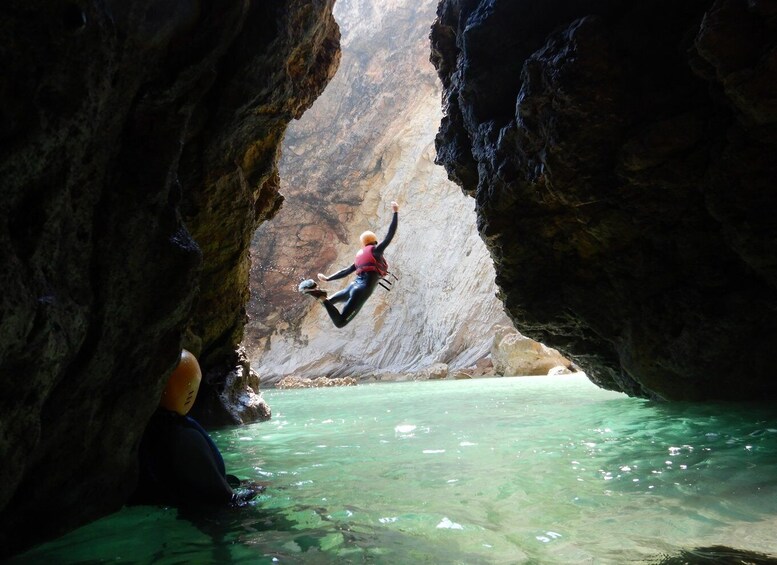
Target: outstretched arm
[391, 231]
[338, 275]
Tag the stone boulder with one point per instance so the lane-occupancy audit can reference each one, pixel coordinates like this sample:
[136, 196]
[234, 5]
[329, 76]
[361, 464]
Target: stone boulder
[483, 368]
[388, 377]
[293, 381]
[238, 401]
[514, 354]
[436, 372]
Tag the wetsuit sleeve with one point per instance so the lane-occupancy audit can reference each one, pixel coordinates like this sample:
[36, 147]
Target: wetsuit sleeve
[342, 273]
[390, 235]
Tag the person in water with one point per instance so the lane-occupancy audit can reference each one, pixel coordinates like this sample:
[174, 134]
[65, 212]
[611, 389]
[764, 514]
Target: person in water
[370, 267]
[179, 463]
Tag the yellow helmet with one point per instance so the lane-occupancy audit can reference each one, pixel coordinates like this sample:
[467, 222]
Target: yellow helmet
[368, 238]
[181, 389]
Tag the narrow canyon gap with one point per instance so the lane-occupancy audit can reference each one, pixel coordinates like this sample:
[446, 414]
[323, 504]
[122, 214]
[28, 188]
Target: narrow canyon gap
[368, 140]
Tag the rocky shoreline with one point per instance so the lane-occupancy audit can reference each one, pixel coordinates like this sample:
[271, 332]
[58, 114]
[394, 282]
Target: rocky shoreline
[512, 354]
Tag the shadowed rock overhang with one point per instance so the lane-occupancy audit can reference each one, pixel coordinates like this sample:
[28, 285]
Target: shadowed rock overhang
[139, 146]
[621, 155]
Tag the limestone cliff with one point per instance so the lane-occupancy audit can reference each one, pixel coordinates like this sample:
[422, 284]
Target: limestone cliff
[367, 140]
[621, 155]
[139, 144]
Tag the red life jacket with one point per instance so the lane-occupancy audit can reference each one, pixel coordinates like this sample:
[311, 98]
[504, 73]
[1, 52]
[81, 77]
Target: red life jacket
[366, 261]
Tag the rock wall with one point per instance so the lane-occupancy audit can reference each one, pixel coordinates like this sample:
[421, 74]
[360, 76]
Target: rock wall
[139, 146]
[281, 61]
[621, 155]
[366, 141]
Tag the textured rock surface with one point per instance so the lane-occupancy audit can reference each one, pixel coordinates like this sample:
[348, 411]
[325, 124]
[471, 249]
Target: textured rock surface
[284, 57]
[366, 141]
[516, 355]
[300, 382]
[119, 118]
[236, 398]
[621, 155]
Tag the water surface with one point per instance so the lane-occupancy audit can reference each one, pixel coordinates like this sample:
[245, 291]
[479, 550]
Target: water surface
[513, 470]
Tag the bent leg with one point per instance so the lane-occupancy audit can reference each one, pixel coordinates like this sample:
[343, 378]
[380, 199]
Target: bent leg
[334, 314]
[358, 295]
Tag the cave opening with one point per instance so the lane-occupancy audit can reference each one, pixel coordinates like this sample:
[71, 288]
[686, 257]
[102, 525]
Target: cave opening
[366, 141]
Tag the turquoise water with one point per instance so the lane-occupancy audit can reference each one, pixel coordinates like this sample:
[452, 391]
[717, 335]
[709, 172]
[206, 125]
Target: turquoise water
[521, 470]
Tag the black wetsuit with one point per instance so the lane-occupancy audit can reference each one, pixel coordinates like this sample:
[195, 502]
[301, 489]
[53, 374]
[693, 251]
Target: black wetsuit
[357, 293]
[180, 465]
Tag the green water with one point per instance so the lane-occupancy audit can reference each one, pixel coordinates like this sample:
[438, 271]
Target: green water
[521, 470]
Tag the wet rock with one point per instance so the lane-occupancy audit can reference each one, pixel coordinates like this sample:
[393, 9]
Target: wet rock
[717, 555]
[238, 400]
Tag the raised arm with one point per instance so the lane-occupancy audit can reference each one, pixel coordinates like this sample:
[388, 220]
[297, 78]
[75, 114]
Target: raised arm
[391, 231]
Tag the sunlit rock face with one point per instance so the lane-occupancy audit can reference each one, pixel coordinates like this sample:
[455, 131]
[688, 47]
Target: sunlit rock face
[139, 144]
[516, 354]
[621, 155]
[368, 140]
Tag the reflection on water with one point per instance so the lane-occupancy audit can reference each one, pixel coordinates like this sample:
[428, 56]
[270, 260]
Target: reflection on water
[529, 470]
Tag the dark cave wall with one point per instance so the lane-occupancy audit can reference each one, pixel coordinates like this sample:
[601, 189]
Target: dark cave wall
[621, 159]
[285, 55]
[139, 143]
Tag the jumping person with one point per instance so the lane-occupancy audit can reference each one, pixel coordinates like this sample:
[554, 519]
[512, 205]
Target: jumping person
[370, 268]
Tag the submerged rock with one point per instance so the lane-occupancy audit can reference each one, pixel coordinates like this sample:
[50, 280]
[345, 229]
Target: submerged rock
[717, 555]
